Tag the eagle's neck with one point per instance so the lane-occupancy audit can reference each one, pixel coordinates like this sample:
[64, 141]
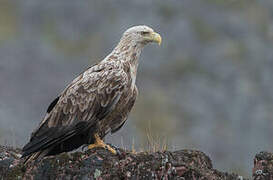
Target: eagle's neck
[126, 52]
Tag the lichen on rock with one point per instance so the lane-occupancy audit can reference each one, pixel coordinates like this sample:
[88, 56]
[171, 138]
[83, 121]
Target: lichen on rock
[101, 164]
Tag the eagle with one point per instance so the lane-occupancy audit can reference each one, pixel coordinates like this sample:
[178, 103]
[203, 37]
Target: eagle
[95, 103]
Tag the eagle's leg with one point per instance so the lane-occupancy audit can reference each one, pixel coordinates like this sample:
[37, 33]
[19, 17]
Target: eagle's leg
[100, 143]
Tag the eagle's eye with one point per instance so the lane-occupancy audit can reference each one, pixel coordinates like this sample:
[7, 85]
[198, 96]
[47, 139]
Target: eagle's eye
[143, 33]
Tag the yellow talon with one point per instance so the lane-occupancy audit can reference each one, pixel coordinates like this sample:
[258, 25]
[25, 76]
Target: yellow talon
[111, 149]
[100, 143]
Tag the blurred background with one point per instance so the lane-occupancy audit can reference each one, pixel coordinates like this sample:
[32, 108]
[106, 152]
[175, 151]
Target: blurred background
[208, 87]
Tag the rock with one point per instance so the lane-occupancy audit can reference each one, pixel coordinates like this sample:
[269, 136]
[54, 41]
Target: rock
[263, 166]
[101, 164]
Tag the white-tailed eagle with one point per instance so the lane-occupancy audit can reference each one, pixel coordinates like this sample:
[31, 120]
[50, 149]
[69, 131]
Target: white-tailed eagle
[97, 102]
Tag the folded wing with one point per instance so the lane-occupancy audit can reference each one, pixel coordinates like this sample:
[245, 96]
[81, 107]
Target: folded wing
[87, 100]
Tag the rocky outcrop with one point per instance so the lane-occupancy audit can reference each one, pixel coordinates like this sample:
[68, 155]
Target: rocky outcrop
[101, 164]
[263, 166]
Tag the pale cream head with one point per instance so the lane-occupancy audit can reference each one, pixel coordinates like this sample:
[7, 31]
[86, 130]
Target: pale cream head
[142, 34]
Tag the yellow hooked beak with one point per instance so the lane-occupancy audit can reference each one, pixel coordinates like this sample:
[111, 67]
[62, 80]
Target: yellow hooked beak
[154, 37]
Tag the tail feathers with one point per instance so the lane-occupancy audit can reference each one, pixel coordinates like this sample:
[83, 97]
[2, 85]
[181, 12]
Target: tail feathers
[57, 139]
[36, 157]
[54, 136]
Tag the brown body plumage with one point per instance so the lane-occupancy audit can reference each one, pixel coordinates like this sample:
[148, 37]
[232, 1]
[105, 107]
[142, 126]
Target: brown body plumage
[95, 103]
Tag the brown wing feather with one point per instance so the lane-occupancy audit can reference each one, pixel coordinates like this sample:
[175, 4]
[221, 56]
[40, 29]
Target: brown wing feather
[89, 98]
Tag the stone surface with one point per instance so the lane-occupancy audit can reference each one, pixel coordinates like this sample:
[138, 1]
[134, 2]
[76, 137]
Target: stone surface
[263, 166]
[101, 164]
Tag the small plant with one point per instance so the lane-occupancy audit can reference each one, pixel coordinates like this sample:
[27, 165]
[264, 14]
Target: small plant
[156, 142]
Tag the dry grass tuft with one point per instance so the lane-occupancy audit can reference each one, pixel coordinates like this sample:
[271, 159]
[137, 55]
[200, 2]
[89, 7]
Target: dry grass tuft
[156, 142]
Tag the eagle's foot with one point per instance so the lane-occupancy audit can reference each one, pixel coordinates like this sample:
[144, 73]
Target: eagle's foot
[118, 152]
[100, 143]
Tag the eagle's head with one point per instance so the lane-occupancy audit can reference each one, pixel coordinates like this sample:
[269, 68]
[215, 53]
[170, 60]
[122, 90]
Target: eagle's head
[141, 35]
